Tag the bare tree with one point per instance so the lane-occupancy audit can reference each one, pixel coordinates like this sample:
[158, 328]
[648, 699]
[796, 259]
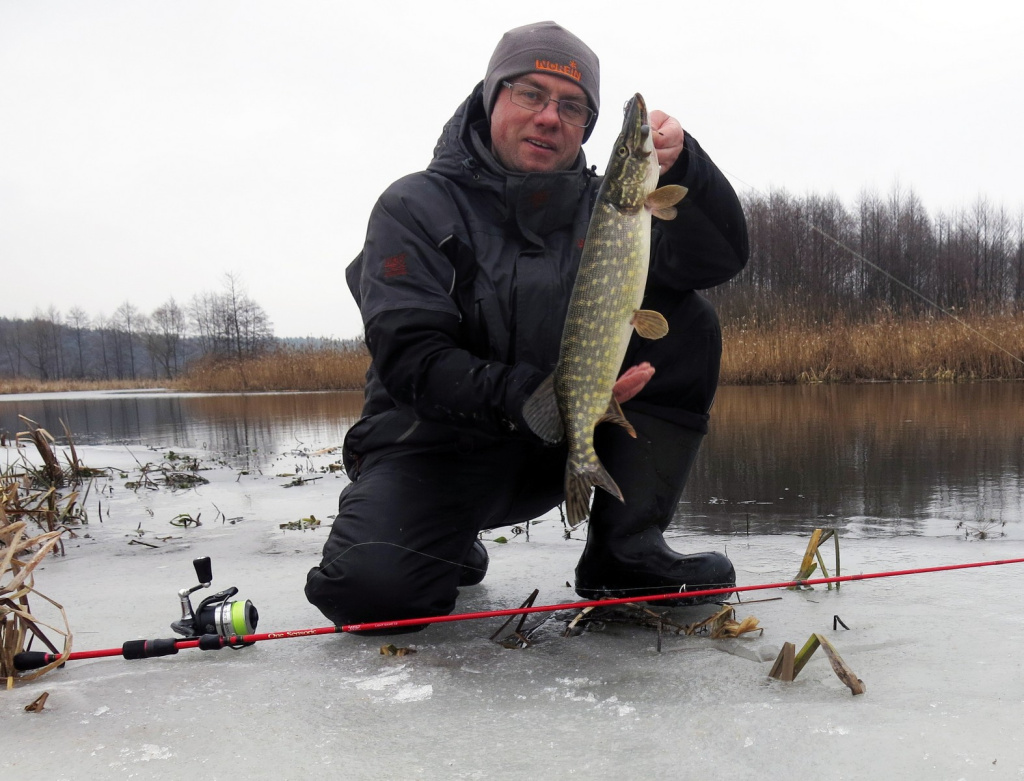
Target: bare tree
[9, 343]
[1018, 260]
[231, 323]
[38, 343]
[78, 322]
[248, 327]
[126, 323]
[164, 338]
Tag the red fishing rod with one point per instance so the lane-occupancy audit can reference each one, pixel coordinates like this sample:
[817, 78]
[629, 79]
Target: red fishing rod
[216, 618]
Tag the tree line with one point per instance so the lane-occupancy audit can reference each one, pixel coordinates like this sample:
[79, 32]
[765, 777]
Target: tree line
[811, 257]
[815, 255]
[131, 344]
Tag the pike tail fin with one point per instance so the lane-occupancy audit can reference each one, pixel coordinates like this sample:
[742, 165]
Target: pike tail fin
[579, 479]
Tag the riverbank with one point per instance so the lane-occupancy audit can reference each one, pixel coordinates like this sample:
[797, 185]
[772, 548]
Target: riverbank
[798, 349]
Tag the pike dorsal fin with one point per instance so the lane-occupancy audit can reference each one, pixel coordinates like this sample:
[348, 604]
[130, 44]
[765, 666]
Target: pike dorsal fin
[662, 201]
[649, 324]
[541, 412]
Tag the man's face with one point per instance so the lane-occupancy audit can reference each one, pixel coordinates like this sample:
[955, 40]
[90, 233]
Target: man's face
[525, 140]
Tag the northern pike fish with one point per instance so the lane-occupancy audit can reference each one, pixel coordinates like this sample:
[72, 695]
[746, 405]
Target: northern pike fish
[604, 311]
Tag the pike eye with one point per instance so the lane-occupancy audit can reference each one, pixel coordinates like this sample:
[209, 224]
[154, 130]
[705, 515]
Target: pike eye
[622, 151]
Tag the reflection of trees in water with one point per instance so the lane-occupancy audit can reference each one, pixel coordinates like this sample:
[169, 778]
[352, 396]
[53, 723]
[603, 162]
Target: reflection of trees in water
[246, 428]
[242, 429]
[894, 454]
[776, 457]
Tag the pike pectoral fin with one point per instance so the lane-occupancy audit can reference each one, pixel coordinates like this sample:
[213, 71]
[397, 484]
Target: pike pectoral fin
[649, 324]
[578, 482]
[662, 201]
[616, 416]
[541, 412]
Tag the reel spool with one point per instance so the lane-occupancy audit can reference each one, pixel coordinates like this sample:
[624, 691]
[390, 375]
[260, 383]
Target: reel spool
[216, 615]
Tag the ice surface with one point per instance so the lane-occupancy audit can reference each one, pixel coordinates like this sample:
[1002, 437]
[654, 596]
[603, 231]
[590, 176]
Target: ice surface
[939, 654]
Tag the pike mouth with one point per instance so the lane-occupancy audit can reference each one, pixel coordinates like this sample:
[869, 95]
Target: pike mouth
[636, 120]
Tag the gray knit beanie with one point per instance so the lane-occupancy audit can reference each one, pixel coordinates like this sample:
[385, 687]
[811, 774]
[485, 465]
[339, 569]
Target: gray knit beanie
[544, 47]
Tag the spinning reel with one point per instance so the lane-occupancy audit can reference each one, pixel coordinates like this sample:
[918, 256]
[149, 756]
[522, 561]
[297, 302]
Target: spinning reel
[215, 614]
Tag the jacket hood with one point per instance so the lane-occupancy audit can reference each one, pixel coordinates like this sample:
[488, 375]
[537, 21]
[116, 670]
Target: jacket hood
[537, 202]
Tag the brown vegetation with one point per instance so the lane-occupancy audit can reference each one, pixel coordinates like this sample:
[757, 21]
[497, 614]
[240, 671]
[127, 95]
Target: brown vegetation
[31, 496]
[798, 348]
[887, 348]
[28, 385]
[303, 369]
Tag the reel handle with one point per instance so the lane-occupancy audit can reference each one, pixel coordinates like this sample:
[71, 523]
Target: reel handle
[204, 569]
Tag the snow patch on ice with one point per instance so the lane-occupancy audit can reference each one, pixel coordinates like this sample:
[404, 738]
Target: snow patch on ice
[574, 694]
[394, 686]
[146, 753]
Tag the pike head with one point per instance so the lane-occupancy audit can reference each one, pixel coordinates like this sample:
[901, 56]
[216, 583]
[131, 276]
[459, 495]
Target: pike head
[633, 168]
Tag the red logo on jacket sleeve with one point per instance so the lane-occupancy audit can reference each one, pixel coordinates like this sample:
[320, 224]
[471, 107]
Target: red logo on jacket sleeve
[395, 266]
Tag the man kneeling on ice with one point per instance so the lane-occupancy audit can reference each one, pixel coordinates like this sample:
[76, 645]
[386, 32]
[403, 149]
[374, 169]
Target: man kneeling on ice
[464, 285]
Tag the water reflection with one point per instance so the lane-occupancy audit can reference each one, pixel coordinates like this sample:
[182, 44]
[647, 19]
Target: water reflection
[906, 458]
[243, 429]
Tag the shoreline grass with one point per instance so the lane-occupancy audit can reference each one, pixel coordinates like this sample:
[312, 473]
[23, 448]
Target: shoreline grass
[291, 369]
[886, 349]
[799, 349]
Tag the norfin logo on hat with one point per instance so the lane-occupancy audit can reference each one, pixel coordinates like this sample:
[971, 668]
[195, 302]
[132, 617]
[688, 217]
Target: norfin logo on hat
[562, 70]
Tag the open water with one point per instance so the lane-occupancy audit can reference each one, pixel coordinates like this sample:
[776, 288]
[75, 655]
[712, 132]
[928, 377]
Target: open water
[878, 459]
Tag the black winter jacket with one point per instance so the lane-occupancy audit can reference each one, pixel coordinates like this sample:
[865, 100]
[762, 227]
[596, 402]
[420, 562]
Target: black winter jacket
[465, 277]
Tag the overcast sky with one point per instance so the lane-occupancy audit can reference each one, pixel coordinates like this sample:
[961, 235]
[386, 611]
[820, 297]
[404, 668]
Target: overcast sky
[149, 147]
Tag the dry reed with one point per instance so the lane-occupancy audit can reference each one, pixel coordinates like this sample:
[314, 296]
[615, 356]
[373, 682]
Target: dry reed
[20, 554]
[304, 369]
[27, 385]
[979, 347]
[31, 495]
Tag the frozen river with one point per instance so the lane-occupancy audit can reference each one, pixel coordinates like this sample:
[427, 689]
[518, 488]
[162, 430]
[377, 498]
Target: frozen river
[903, 480]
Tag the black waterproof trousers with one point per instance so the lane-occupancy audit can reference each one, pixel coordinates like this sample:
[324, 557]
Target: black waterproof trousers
[406, 524]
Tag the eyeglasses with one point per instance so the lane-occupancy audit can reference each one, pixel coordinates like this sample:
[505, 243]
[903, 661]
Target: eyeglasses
[535, 99]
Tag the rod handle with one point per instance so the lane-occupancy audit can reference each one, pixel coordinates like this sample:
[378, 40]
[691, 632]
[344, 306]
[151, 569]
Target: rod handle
[145, 649]
[33, 660]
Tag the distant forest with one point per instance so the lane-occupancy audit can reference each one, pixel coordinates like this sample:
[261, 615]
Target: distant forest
[812, 258]
[819, 258]
[135, 345]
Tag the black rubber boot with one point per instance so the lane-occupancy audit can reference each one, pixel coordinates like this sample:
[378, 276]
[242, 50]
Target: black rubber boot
[626, 553]
[474, 567]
